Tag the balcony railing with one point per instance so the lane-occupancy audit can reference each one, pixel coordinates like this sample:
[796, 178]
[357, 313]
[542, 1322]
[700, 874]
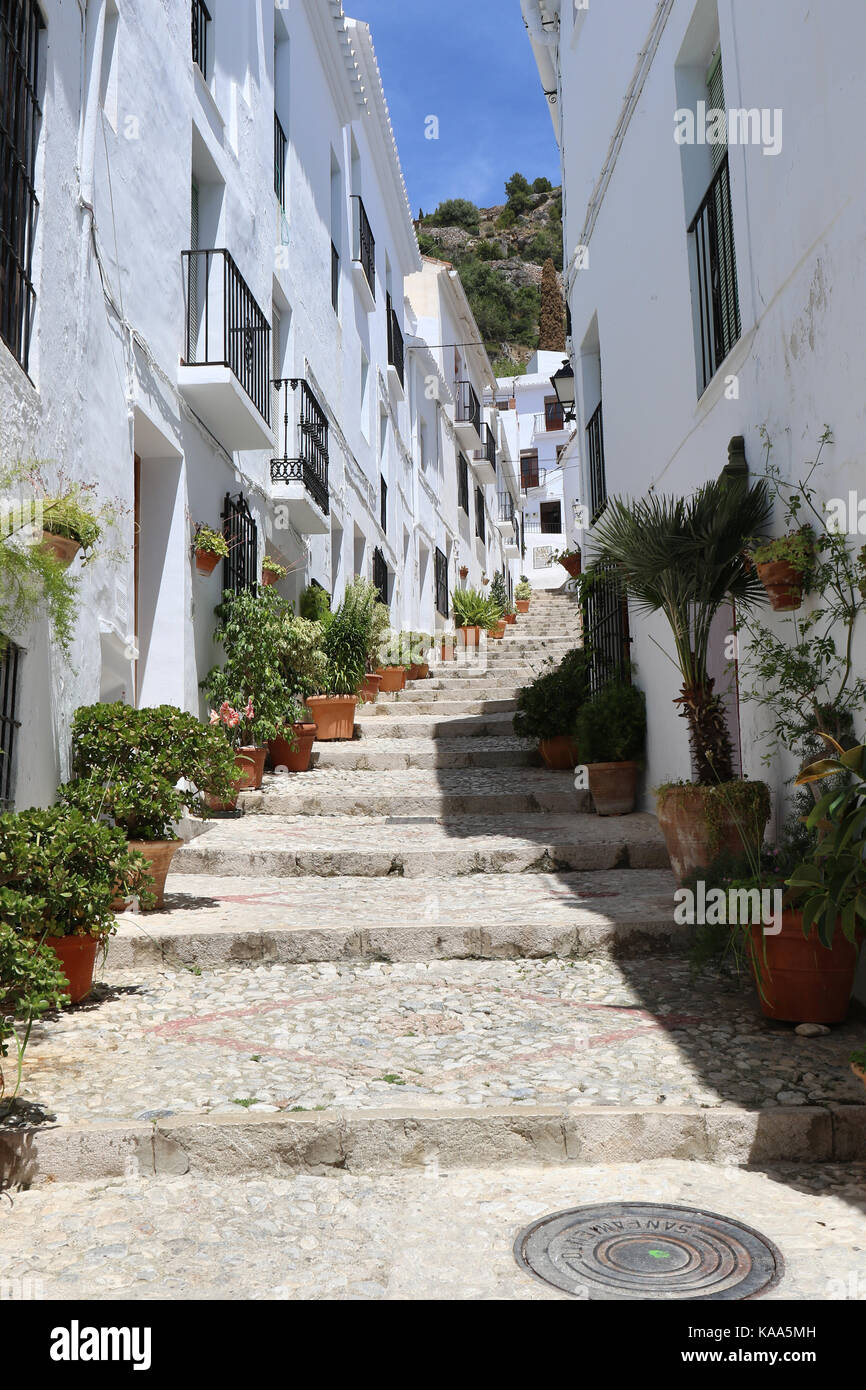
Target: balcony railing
[718, 305]
[200, 22]
[463, 483]
[488, 451]
[479, 514]
[506, 506]
[225, 326]
[550, 420]
[280, 148]
[468, 406]
[395, 341]
[364, 249]
[310, 464]
[595, 465]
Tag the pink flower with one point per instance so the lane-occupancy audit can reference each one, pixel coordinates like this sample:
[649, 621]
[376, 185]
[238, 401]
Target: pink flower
[214, 717]
[233, 719]
[249, 712]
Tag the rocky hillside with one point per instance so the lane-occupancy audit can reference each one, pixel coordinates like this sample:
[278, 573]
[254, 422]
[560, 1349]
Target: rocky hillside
[499, 252]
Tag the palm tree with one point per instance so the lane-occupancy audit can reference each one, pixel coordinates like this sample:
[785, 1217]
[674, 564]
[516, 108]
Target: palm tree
[684, 557]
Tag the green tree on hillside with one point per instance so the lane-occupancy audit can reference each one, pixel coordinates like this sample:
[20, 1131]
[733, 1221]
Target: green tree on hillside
[456, 212]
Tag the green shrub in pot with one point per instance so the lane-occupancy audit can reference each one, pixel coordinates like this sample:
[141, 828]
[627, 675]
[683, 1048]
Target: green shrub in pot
[547, 709]
[610, 731]
[32, 983]
[474, 609]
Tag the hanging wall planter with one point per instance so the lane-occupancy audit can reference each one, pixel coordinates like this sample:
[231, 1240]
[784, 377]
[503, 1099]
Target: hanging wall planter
[63, 548]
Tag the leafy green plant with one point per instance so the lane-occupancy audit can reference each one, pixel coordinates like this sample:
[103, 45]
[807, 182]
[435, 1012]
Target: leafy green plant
[212, 542]
[499, 593]
[251, 631]
[274, 567]
[347, 639]
[315, 604]
[611, 727]
[455, 212]
[474, 609]
[524, 589]
[549, 706]
[832, 881]
[32, 983]
[303, 663]
[798, 549]
[684, 557]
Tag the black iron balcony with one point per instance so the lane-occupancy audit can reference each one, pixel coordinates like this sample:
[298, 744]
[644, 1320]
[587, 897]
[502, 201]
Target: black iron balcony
[506, 508]
[485, 458]
[395, 342]
[595, 465]
[335, 278]
[280, 149]
[310, 462]
[200, 22]
[467, 407]
[225, 326]
[364, 244]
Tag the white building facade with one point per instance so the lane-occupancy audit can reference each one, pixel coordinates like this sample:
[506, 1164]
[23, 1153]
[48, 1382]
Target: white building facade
[713, 288]
[203, 311]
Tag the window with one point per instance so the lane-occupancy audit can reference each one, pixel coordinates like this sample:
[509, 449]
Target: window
[200, 23]
[336, 225]
[595, 465]
[714, 260]
[365, 395]
[380, 574]
[606, 634]
[280, 147]
[20, 117]
[479, 513]
[241, 565]
[550, 514]
[10, 661]
[554, 414]
[440, 568]
[463, 483]
[383, 506]
[528, 468]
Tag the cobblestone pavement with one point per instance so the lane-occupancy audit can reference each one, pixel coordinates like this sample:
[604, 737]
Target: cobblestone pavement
[423, 1037]
[418, 1235]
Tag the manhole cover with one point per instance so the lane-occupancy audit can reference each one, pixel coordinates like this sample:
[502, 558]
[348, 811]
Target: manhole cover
[643, 1250]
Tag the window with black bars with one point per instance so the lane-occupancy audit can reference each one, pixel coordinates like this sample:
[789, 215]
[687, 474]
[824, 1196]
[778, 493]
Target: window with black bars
[200, 23]
[479, 513]
[10, 664]
[440, 572]
[550, 516]
[241, 565]
[606, 633]
[380, 574]
[383, 506]
[20, 118]
[595, 464]
[463, 483]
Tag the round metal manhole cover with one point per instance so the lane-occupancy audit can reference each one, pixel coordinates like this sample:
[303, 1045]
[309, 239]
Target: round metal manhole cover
[645, 1250]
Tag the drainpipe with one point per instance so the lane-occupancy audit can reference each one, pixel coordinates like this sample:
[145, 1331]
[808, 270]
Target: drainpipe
[92, 23]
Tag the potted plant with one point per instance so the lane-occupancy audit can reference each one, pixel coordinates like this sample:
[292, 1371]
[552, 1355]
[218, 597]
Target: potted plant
[249, 755]
[346, 642]
[61, 872]
[570, 561]
[272, 571]
[523, 594]
[510, 614]
[32, 982]
[292, 749]
[485, 580]
[420, 645]
[499, 599]
[210, 547]
[72, 520]
[547, 710]
[447, 646]
[610, 732]
[473, 612]
[315, 604]
[784, 566]
[464, 571]
[304, 669]
[142, 769]
[685, 558]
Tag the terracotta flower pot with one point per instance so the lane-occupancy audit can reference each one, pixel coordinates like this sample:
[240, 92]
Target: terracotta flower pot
[393, 678]
[419, 672]
[469, 636]
[509, 618]
[799, 980]
[498, 631]
[206, 561]
[695, 837]
[63, 548]
[334, 716]
[77, 956]
[464, 571]
[159, 854]
[559, 753]
[522, 605]
[295, 759]
[250, 763]
[571, 564]
[370, 689]
[613, 787]
[447, 649]
[783, 583]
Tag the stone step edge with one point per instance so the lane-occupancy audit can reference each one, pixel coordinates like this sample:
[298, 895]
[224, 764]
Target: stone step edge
[135, 946]
[382, 1141]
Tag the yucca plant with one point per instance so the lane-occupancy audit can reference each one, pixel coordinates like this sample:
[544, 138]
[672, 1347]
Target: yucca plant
[474, 609]
[684, 557]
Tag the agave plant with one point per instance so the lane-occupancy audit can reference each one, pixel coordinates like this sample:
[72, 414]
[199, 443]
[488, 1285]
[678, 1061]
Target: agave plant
[474, 609]
[684, 557]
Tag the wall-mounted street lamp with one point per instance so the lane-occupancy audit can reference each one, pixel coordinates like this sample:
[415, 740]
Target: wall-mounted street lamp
[563, 384]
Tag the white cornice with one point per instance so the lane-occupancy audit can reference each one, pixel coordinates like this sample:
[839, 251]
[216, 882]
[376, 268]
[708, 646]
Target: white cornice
[328, 24]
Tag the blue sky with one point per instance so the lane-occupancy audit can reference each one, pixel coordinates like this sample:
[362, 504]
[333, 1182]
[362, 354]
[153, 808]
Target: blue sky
[471, 65]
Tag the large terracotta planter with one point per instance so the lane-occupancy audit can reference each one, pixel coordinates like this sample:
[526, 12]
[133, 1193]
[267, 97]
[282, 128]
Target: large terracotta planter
[571, 564]
[206, 561]
[63, 548]
[522, 605]
[77, 956]
[783, 583]
[559, 753]
[799, 980]
[613, 787]
[370, 689]
[393, 679]
[698, 826]
[470, 636]
[334, 716]
[295, 759]
[250, 763]
[159, 854]
[447, 649]
[419, 672]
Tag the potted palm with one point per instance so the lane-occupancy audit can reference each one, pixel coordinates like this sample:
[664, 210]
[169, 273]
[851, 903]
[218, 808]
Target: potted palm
[548, 708]
[610, 732]
[523, 594]
[685, 558]
[210, 547]
[345, 643]
[473, 613]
